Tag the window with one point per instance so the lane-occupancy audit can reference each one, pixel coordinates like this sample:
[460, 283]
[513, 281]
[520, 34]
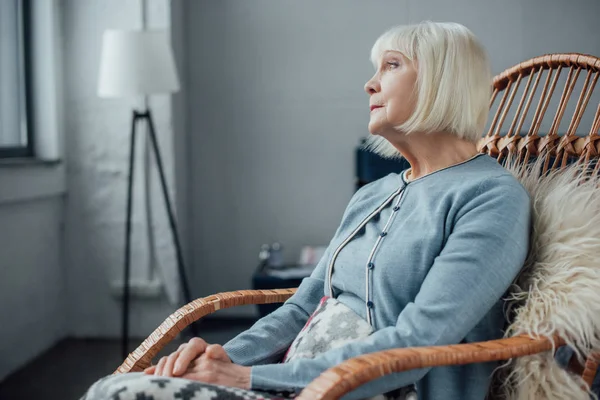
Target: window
[15, 130]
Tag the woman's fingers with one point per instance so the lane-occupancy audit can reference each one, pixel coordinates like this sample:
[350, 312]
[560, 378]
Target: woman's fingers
[168, 369]
[160, 366]
[150, 370]
[217, 352]
[177, 363]
[195, 348]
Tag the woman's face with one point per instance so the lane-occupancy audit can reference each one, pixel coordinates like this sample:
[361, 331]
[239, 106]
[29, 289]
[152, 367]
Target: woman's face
[392, 93]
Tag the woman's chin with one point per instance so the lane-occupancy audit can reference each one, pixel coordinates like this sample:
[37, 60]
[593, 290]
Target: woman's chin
[373, 129]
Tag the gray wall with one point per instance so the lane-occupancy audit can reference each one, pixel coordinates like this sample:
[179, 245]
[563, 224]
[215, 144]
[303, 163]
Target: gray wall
[275, 107]
[59, 254]
[32, 288]
[97, 141]
[32, 273]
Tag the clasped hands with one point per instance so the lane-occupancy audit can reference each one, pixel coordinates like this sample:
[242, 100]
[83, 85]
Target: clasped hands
[200, 361]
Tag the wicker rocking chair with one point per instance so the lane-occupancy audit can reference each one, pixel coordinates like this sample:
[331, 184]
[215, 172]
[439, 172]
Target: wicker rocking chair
[557, 149]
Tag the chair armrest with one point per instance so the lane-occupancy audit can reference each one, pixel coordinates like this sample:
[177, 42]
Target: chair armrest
[176, 322]
[352, 373]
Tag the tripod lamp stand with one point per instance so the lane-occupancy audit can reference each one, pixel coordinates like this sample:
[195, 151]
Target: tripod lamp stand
[140, 63]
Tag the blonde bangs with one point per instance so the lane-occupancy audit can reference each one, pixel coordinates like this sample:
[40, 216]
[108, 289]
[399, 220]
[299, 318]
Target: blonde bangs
[398, 39]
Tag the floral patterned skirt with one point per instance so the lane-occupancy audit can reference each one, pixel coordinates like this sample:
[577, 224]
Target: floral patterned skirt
[140, 386]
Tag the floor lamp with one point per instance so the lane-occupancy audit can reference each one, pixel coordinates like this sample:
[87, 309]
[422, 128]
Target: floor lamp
[140, 63]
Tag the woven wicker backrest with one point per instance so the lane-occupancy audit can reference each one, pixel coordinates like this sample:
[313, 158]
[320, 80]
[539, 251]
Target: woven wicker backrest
[547, 107]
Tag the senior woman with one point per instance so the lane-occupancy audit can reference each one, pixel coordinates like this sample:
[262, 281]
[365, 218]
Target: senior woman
[420, 258]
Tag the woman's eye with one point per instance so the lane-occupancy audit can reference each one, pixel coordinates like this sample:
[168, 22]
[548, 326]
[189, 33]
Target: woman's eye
[392, 64]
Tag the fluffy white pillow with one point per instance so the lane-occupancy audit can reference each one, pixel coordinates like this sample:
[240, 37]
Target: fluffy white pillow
[558, 290]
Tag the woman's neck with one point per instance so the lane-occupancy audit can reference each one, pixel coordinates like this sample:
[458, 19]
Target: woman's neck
[427, 153]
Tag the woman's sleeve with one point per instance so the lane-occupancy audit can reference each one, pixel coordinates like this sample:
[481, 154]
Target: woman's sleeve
[270, 337]
[482, 256]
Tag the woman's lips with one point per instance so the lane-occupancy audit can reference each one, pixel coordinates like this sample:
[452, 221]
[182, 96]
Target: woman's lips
[375, 107]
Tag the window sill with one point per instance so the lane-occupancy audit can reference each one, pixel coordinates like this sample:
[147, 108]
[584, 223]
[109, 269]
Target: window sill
[21, 162]
[26, 179]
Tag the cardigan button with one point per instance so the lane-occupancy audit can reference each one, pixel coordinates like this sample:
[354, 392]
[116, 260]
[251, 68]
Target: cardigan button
[370, 304]
[382, 234]
[371, 265]
[396, 208]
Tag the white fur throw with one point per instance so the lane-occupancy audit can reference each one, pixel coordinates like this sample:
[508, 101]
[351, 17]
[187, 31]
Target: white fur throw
[558, 291]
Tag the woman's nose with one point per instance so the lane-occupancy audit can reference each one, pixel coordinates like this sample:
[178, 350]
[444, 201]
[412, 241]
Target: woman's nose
[372, 86]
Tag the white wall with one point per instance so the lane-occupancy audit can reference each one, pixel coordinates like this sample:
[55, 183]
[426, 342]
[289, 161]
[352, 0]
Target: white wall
[276, 106]
[97, 140]
[32, 290]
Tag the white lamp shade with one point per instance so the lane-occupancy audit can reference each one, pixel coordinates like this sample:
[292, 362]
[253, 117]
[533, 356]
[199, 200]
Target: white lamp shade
[136, 63]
